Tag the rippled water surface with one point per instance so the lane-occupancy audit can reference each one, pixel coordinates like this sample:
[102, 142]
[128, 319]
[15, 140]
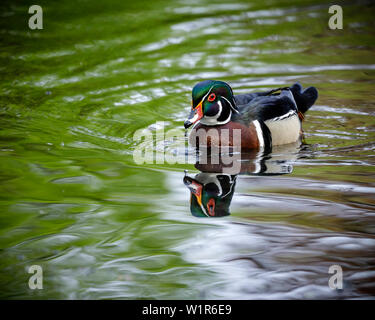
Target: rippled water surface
[102, 227]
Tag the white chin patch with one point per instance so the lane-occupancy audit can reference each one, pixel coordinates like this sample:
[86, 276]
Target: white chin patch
[209, 121]
[195, 118]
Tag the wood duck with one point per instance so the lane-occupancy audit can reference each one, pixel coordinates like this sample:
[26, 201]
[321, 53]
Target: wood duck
[265, 119]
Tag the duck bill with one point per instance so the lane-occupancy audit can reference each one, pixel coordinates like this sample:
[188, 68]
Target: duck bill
[195, 188]
[195, 115]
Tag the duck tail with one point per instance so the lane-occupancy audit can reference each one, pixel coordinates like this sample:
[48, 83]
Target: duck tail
[304, 98]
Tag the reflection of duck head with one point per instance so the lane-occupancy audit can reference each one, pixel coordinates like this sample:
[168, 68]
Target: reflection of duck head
[211, 194]
[212, 189]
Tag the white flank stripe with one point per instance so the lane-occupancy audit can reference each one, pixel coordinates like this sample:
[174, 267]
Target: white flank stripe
[259, 133]
[284, 116]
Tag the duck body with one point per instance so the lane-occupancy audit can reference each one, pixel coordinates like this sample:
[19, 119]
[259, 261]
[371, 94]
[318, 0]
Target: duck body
[249, 121]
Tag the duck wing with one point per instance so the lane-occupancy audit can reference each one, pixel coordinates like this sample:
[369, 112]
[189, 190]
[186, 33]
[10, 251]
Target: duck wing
[244, 99]
[302, 98]
[267, 107]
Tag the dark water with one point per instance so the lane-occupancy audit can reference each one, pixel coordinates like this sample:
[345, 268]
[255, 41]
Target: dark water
[102, 227]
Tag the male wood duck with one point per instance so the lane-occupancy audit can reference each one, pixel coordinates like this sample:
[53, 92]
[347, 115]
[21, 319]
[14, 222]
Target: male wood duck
[265, 119]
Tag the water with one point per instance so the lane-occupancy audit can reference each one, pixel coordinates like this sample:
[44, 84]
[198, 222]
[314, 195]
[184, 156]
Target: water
[102, 227]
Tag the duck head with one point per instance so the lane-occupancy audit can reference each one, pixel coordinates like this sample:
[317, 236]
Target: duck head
[212, 104]
[211, 194]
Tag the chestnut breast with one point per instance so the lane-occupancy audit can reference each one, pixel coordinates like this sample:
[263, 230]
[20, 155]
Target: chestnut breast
[231, 134]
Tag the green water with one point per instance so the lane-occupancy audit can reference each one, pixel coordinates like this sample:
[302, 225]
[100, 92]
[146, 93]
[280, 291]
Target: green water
[74, 202]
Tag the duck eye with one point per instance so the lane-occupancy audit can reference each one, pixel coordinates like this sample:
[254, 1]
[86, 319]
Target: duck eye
[211, 97]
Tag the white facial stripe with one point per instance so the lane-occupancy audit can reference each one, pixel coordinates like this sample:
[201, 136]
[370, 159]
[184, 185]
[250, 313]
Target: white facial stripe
[216, 115]
[231, 105]
[231, 185]
[212, 121]
[259, 133]
[219, 114]
[209, 91]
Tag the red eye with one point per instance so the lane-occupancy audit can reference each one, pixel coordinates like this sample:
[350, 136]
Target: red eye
[211, 97]
[211, 207]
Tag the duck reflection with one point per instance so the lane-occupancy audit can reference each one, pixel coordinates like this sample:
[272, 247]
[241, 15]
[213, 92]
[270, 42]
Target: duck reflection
[211, 190]
[211, 194]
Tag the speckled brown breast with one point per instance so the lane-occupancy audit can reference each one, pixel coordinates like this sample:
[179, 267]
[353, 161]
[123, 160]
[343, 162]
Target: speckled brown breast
[216, 136]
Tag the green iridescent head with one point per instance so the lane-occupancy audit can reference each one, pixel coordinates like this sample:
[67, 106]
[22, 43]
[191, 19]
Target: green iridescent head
[212, 103]
[211, 194]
